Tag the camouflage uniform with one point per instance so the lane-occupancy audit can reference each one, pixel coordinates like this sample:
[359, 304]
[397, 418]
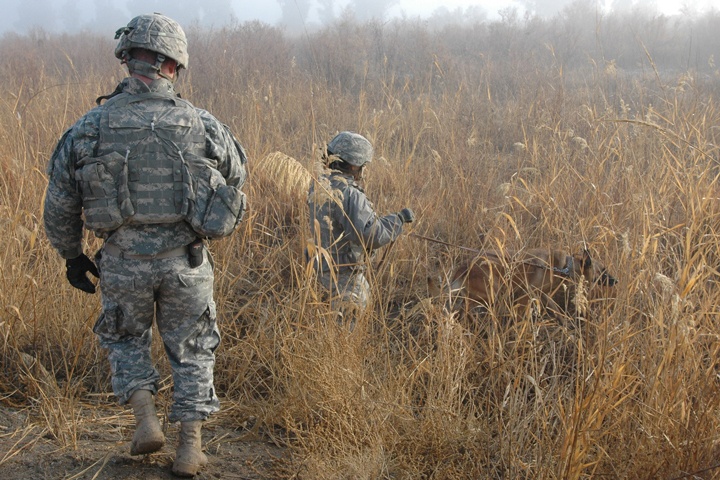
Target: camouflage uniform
[144, 267]
[349, 230]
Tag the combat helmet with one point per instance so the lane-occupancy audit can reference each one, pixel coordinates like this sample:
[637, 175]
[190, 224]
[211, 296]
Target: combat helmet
[351, 148]
[154, 32]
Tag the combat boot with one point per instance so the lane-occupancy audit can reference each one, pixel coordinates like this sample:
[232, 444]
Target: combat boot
[148, 437]
[189, 457]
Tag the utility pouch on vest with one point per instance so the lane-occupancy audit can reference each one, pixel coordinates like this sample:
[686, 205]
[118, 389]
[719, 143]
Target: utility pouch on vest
[218, 207]
[195, 253]
[103, 186]
[152, 131]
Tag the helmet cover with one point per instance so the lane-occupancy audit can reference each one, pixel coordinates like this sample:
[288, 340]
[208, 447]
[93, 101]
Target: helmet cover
[352, 148]
[154, 32]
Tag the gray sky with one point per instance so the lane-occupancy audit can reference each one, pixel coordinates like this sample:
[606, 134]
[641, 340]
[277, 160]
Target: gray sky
[108, 15]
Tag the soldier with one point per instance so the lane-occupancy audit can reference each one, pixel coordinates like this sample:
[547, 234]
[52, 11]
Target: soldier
[345, 225]
[153, 176]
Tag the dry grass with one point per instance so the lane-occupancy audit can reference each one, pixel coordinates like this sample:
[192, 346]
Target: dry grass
[624, 164]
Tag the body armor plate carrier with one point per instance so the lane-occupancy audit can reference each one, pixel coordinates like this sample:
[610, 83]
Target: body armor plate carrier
[150, 168]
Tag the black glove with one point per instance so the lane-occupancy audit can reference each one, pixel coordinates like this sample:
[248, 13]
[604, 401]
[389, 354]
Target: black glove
[406, 215]
[77, 269]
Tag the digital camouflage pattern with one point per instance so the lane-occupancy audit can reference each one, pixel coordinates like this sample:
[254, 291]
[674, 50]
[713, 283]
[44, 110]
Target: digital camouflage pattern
[344, 224]
[347, 291]
[154, 32]
[141, 282]
[351, 147]
[139, 172]
[80, 144]
[163, 176]
[186, 321]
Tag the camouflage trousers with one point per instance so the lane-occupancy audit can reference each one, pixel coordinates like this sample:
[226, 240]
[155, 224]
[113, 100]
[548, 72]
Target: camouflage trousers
[180, 299]
[349, 296]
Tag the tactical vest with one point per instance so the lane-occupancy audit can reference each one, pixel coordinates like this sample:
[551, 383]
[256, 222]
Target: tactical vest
[149, 168]
[325, 213]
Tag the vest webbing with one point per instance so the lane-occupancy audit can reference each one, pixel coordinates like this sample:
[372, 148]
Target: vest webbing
[153, 132]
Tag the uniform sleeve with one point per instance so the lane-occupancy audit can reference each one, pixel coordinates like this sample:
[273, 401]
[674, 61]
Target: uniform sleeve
[373, 230]
[221, 145]
[63, 204]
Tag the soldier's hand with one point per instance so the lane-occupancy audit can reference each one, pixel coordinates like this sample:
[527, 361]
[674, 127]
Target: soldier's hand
[77, 270]
[406, 215]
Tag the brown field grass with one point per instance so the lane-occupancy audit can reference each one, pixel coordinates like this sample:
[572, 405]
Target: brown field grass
[494, 146]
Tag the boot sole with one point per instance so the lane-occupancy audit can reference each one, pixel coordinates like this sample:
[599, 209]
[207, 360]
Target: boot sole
[147, 447]
[185, 469]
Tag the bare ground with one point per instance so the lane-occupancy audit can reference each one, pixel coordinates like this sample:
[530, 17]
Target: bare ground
[96, 446]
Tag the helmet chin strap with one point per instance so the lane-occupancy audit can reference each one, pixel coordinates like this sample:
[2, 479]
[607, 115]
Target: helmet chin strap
[147, 69]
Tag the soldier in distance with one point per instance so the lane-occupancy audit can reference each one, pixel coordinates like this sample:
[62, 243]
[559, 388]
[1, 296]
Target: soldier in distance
[345, 227]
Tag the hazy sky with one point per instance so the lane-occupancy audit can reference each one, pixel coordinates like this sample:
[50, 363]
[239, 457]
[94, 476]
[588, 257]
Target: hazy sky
[426, 7]
[105, 15]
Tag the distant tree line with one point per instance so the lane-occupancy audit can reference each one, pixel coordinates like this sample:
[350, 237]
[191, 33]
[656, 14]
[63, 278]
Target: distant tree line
[348, 51]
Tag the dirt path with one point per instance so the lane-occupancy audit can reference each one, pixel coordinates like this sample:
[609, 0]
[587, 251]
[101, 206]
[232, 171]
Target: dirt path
[101, 450]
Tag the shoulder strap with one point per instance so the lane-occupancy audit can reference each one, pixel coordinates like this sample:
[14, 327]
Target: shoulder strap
[118, 91]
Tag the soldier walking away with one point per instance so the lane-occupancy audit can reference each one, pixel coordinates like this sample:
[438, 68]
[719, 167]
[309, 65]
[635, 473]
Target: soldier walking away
[153, 176]
[345, 227]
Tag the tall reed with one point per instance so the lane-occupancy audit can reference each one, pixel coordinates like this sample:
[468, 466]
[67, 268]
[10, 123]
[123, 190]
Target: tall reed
[495, 144]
